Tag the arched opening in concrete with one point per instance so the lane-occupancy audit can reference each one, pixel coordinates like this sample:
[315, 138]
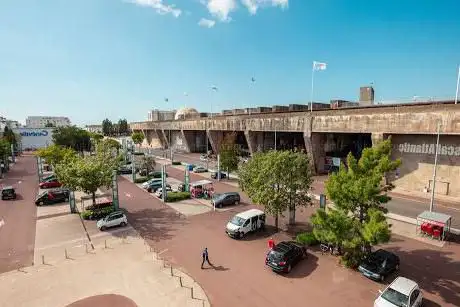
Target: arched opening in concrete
[334, 148]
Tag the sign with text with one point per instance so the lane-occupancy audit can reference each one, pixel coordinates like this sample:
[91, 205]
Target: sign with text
[429, 149]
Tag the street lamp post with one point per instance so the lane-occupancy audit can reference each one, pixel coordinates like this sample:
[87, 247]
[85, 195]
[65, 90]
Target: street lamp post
[435, 168]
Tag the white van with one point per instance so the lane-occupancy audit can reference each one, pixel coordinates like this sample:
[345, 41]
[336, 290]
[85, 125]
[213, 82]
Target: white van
[245, 222]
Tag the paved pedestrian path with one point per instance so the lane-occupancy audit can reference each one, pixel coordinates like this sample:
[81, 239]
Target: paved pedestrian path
[126, 267]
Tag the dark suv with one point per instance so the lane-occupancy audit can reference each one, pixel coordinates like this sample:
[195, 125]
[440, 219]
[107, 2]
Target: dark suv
[8, 193]
[285, 255]
[222, 175]
[225, 199]
[52, 197]
[379, 265]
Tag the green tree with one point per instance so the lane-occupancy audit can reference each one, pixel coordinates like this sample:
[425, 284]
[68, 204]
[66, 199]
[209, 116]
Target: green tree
[88, 173]
[229, 152]
[114, 144]
[73, 137]
[5, 148]
[148, 163]
[49, 125]
[138, 138]
[123, 126]
[106, 127]
[55, 154]
[115, 130]
[10, 136]
[358, 193]
[277, 180]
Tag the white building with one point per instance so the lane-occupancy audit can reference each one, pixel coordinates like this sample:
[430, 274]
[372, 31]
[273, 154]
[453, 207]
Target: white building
[8, 123]
[42, 121]
[94, 128]
[158, 115]
[35, 138]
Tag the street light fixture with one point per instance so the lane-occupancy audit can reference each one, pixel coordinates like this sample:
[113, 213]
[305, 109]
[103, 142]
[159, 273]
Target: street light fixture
[435, 168]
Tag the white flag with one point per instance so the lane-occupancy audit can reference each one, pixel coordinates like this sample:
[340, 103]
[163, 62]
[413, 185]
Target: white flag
[319, 66]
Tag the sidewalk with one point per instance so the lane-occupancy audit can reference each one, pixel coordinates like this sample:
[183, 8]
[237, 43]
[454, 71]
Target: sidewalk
[122, 266]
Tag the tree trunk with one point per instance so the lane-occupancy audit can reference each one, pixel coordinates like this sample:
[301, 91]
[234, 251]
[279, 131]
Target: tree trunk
[276, 222]
[291, 214]
[94, 198]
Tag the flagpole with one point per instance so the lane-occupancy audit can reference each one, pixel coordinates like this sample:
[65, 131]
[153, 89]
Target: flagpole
[435, 168]
[458, 81]
[312, 79]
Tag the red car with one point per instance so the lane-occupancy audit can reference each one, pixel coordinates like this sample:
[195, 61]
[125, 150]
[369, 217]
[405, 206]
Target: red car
[53, 183]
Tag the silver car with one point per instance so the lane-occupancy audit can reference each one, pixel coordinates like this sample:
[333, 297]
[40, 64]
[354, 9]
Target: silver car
[200, 169]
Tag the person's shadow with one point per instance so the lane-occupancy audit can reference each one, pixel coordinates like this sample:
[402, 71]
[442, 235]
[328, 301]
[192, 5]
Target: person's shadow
[216, 268]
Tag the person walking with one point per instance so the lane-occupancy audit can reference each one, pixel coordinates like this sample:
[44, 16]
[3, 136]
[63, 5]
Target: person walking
[271, 244]
[205, 257]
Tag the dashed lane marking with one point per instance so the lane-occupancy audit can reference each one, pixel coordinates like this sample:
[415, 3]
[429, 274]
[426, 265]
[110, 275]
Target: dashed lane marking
[2, 222]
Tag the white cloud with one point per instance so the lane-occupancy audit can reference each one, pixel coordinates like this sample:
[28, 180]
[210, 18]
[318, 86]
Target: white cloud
[159, 7]
[253, 5]
[206, 23]
[221, 8]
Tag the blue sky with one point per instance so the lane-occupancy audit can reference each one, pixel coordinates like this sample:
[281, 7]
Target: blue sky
[92, 59]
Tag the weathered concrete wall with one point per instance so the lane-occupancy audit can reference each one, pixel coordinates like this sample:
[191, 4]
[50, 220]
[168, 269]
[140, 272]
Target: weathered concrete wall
[421, 119]
[417, 155]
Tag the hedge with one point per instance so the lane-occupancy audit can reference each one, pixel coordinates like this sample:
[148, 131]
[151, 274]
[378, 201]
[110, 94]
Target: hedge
[96, 214]
[176, 163]
[172, 197]
[307, 238]
[141, 179]
[139, 153]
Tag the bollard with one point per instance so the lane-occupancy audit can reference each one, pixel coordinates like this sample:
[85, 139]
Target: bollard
[180, 281]
[171, 270]
[43, 259]
[66, 255]
[105, 243]
[86, 247]
[191, 291]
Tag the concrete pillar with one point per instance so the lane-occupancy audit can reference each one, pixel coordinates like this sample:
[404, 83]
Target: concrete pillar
[165, 135]
[251, 140]
[161, 139]
[153, 139]
[187, 137]
[215, 139]
[314, 145]
[377, 137]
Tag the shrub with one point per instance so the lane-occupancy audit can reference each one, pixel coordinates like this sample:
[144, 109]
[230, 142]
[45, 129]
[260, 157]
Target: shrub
[352, 258]
[176, 163]
[141, 179]
[177, 196]
[138, 153]
[96, 214]
[99, 206]
[307, 238]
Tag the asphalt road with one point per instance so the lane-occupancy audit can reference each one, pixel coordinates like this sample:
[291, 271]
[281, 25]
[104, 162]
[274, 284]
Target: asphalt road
[400, 204]
[17, 235]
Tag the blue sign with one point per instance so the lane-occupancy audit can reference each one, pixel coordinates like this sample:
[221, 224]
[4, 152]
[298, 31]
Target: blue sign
[34, 133]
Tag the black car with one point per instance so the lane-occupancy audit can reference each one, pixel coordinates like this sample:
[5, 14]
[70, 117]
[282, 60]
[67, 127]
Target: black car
[225, 199]
[125, 170]
[8, 193]
[52, 197]
[285, 255]
[379, 264]
[222, 175]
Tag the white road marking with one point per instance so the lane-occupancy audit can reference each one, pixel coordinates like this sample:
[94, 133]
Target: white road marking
[163, 251]
[128, 195]
[2, 222]
[19, 182]
[424, 202]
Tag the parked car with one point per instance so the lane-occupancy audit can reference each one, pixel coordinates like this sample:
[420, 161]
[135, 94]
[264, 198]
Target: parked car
[225, 199]
[401, 292]
[146, 184]
[117, 218]
[52, 183]
[285, 255]
[379, 264]
[245, 222]
[48, 177]
[153, 174]
[159, 192]
[125, 169]
[154, 186]
[52, 197]
[222, 175]
[8, 192]
[200, 169]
